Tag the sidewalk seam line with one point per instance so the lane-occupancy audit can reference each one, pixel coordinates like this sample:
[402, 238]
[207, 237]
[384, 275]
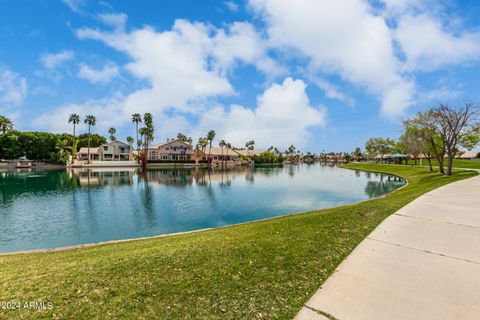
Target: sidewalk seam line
[432, 220]
[425, 251]
[322, 313]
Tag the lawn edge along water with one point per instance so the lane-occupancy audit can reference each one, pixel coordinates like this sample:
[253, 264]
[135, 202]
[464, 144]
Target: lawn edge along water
[174, 234]
[265, 270]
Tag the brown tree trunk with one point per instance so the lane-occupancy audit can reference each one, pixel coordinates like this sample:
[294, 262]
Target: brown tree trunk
[449, 164]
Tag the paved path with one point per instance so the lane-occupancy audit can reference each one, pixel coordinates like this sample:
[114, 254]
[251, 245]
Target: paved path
[423, 262]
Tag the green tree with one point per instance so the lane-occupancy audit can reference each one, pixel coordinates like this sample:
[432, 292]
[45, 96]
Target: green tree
[90, 120]
[137, 118]
[250, 145]
[5, 124]
[130, 141]
[112, 132]
[182, 137]
[75, 120]
[210, 136]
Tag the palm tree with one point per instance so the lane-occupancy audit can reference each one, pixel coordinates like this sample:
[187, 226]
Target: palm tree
[75, 119]
[210, 137]
[5, 124]
[222, 144]
[130, 141]
[90, 120]
[137, 118]
[112, 132]
[229, 146]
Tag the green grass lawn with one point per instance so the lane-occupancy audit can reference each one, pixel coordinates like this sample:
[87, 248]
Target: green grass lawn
[466, 164]
[262, 270]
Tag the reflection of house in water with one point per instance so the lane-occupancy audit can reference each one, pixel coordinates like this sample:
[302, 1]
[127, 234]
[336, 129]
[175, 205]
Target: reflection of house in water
[99, 177]
[178, 177]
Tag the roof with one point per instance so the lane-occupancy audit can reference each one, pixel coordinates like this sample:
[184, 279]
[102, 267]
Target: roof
[217, 151]
[250, 153]
[116, 142]
[159, 145]
[398, 155]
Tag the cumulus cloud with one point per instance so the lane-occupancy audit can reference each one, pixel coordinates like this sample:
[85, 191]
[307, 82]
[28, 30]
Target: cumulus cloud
[52, 60]
[428, 45]
[353, 42]
[115, 20]
[241, 42]
[100, 76]
[282, 117]
[13, 88]
[231, 5]
[108, 111]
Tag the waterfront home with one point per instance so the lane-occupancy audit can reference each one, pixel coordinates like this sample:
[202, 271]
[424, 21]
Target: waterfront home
[220, 156]
[250, 153]
[172, 150]
[112, 151]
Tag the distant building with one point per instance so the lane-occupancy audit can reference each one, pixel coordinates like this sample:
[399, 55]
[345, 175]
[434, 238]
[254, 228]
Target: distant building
[468, 155]
[220, 156]
[174, 150]
[112, 151]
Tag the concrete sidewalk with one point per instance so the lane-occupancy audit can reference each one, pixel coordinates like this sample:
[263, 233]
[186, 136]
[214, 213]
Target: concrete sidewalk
[423, 262]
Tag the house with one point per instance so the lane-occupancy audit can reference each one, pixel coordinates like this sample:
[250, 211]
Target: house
[250, 153]
[220, 156]
[172, 150]
[112, 151]
[468, 155]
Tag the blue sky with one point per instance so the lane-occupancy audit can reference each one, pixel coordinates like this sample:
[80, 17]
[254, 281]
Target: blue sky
[322, 75]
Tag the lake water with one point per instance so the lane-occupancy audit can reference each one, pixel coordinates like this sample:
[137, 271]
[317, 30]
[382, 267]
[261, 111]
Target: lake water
[54, 208]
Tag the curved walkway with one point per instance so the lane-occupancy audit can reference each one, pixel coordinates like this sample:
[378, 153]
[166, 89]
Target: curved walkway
[423, 262]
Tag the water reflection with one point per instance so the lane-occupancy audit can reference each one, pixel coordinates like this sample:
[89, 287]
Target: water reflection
[49, 208]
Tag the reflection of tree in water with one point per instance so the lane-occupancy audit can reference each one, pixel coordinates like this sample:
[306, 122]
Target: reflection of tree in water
[385, 185]
[13, 184]
[148, 203]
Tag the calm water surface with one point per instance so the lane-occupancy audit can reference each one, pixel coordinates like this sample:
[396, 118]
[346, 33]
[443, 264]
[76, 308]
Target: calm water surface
[46, 209]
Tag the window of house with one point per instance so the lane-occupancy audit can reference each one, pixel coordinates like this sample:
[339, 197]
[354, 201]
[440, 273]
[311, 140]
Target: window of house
[105, 148]
[153, 155]
[108, 156]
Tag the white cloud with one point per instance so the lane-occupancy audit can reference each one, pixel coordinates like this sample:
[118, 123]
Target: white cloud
[108, 113]
[13, 88]
[101, 76]
[428, 45]
[332, 91]
[231, 5]
[116, 20]
[241, 42]
[282, 117]
[52, 60]
[341, 37]
[75, 5]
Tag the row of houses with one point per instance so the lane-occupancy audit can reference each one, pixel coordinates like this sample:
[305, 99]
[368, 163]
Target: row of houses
[170, 151]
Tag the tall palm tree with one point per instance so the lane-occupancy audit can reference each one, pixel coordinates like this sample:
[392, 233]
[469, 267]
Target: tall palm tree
[74, 119]
[112, 132]
[90, 120]
[5, 124]
[222, 144]
[210, 136]
[130, 141]
[137, 118]
[229, 146]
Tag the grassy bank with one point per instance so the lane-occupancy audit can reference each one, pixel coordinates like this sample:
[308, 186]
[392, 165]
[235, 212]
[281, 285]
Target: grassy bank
[262, 270]
[465, 164]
